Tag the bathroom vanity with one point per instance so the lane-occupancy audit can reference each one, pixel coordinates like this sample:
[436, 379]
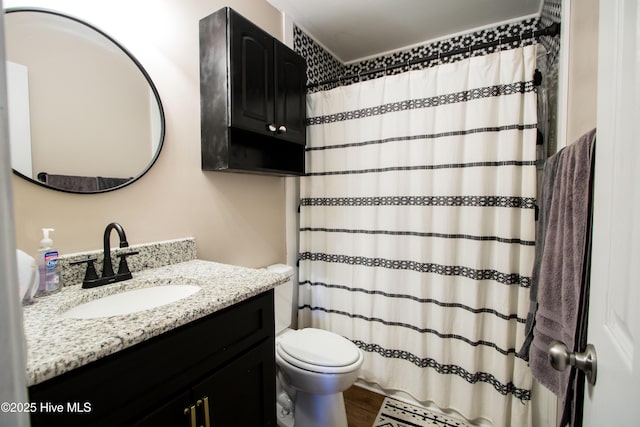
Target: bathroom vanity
[205, 360]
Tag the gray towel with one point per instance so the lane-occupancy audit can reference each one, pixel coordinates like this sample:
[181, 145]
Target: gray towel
[81, 183]
[546, 193]
[562, 263]
[72, 182]
[106, 183]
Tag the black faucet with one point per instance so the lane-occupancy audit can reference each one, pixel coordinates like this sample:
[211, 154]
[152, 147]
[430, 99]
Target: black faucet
[91, 279]
[107, 266]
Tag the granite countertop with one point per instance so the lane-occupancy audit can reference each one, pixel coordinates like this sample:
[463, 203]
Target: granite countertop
[56, 345]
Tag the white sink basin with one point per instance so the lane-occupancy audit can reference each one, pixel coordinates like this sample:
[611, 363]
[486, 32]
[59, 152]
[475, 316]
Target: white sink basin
[131, 301]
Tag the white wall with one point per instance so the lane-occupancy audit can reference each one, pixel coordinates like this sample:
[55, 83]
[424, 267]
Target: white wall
[583, 69]
[578, 70]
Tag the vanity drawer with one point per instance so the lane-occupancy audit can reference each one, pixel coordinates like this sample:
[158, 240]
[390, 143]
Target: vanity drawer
[121, 387]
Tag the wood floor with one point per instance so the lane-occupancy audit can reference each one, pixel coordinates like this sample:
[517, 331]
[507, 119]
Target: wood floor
[362, 406]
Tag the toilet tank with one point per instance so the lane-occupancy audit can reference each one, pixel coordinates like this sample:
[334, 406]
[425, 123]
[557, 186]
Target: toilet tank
[283, 297]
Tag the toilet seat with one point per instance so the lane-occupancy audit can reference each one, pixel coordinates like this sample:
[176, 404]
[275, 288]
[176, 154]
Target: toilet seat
[318, 350]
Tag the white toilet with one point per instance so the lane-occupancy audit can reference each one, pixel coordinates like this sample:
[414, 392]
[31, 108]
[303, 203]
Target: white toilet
[314, 367]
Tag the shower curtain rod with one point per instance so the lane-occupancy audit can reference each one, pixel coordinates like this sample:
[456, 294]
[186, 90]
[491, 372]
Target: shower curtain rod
[551, 31]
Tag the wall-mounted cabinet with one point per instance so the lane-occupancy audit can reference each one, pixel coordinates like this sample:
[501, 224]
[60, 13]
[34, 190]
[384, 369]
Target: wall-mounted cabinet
[252, 98]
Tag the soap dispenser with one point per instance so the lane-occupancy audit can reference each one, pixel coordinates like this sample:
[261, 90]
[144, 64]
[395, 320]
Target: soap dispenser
[48, 265]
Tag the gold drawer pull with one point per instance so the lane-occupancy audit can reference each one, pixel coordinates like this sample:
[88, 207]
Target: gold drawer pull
[204, 402]
[191, 412]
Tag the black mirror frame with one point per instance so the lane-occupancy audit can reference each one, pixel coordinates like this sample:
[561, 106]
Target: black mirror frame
[144, 73]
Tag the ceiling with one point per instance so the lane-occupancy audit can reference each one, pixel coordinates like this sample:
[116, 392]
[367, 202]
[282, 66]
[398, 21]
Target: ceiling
[356, 29]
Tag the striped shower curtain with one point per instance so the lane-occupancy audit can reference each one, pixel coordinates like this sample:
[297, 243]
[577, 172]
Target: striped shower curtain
[417, 225]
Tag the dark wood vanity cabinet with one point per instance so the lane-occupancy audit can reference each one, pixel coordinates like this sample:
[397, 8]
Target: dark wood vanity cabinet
[231, 396]
[216, 371]
[252, 98]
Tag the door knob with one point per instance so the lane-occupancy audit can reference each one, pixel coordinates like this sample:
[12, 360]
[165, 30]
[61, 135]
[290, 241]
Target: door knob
[271, 127]
[282, 129]
[560, 358]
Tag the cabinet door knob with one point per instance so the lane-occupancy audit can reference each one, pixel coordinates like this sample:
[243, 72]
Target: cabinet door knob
[271, 127]
[282, 129]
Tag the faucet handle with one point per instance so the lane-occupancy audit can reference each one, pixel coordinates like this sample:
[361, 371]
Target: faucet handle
[91, 273]
[123, 268]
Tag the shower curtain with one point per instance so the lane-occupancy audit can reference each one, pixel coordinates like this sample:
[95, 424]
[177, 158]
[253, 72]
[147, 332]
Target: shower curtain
[417, 225]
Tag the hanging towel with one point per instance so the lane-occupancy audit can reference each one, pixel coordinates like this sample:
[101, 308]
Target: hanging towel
[106, 183]
[562, 263]
[72, 182]
[544, 203]
[81, 183]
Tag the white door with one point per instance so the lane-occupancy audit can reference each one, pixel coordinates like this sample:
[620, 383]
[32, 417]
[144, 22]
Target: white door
[19, 118]
[614, 322]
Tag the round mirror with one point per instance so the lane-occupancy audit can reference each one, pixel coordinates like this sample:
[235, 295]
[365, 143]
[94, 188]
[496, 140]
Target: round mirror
[84, 115]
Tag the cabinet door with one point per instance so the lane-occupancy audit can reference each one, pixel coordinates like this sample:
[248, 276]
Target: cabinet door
[251, 71]
[290, 94]
[176, 412]
[242, 394]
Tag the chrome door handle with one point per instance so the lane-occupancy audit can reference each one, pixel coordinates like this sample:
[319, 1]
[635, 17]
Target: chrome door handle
[560, 358]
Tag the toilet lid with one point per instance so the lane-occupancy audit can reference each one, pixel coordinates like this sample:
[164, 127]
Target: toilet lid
[320, 348]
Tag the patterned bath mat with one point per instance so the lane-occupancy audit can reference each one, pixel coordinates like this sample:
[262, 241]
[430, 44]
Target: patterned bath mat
[395, 413]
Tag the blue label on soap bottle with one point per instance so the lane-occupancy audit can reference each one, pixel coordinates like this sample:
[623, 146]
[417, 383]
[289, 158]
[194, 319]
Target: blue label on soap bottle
[51, 259]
